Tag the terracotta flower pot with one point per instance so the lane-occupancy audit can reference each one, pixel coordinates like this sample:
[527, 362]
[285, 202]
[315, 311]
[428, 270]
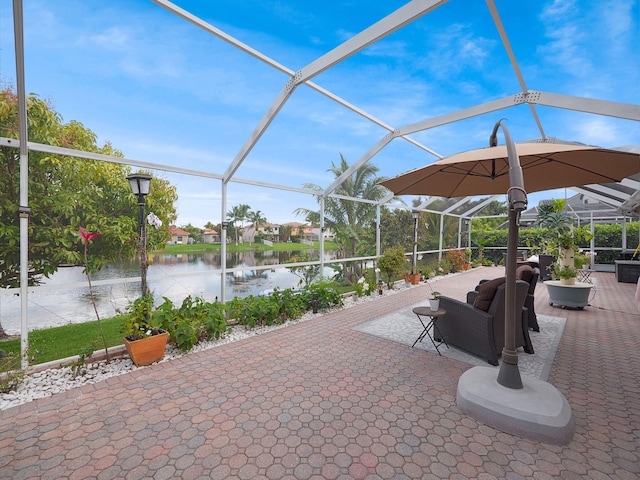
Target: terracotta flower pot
[147, 350]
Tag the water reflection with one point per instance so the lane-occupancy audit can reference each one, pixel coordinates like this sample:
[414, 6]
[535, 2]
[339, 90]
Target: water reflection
[174, 276]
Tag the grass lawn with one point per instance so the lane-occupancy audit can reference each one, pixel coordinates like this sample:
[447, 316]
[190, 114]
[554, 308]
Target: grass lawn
[68, 340]
[245, 247]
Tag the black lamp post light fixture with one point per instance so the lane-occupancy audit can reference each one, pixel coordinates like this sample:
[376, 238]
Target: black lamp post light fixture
[140, 185]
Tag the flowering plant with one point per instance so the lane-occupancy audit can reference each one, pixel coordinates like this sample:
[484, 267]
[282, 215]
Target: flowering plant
[153, 220]
[86, 238]
[362, 287]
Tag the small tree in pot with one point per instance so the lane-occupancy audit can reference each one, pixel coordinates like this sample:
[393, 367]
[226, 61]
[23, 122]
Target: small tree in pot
[391, 264]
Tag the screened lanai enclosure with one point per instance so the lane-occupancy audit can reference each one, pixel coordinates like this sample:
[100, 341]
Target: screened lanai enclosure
[254, 103]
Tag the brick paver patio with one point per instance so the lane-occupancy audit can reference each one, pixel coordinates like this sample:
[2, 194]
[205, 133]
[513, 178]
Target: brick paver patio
[320, 400]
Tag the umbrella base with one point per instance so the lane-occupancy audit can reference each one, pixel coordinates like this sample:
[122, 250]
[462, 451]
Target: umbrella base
[538, 411]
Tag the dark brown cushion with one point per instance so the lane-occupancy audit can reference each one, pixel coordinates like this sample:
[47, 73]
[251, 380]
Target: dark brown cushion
[486, 292]
[524, 272]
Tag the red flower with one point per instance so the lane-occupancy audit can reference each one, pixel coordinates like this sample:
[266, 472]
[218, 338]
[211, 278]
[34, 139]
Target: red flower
[87, 236]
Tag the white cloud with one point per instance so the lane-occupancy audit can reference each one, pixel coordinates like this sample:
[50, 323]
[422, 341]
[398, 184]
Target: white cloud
[597, 131]
[558, 9]
[387, 48]
[458, 49]
[113, 38]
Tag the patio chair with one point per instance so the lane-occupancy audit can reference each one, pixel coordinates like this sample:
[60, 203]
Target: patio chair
[526, 339]
[530, 275]
[545, 263]
[478, 325]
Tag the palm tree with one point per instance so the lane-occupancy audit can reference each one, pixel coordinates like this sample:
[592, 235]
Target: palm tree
[285, 233]
[348, 219]
[257, 218]
[238, 213]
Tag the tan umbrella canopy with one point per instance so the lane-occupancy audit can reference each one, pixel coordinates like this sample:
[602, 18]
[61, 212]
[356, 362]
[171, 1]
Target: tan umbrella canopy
[545, 166]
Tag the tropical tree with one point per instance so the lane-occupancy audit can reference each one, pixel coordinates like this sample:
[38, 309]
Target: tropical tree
[306, 273]
[66, 193]
[349, 219]
[194, 232]
[285, 233]
[238, 213]
[396, 228]
[257, 219]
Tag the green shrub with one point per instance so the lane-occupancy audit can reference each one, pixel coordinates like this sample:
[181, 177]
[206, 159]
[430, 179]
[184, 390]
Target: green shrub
[253, 310]
[391, 264]
[196, 320]
[10, 374]
[290, 304]
[326, 294]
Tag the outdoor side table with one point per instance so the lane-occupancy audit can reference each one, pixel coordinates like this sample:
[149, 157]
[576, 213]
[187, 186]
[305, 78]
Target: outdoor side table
[432, 314]
[585, 273]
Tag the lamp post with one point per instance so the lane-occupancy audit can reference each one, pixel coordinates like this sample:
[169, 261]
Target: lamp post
[140, 184]
[467, 232]
[416, 215]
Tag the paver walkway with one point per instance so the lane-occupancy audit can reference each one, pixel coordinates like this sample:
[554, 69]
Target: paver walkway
[320, 400]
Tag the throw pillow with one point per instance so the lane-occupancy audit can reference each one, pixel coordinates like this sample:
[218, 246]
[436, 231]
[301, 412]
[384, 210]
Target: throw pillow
[486, 292]
[524, 272]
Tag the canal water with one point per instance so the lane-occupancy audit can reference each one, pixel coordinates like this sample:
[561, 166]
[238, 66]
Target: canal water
[64, 298]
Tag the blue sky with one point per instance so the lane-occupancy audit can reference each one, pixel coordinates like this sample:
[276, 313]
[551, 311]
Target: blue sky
[164, 91]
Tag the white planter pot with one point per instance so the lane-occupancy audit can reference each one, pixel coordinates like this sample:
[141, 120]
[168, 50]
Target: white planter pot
[571, 296]
[434, 304]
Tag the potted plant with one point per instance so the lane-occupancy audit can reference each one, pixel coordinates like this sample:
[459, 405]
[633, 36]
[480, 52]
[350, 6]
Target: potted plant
[567, 274]
[144, 341]
[434, 301]
[412, 278]
[467, 254]
[563, 238]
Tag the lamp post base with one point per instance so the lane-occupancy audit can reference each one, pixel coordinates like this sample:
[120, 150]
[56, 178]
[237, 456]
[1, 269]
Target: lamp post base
[537, 412]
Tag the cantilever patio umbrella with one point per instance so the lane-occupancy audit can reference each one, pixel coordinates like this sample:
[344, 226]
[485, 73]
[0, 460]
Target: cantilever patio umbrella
[515, 169]
[545, 166]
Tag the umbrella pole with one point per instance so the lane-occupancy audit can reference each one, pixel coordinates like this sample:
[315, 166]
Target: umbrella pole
[509, 374]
